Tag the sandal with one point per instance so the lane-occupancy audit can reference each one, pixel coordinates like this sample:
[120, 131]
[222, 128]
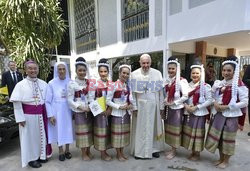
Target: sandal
[68, 155]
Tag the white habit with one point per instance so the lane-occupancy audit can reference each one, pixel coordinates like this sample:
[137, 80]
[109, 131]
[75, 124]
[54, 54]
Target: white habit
[147, 130]
[56, 105]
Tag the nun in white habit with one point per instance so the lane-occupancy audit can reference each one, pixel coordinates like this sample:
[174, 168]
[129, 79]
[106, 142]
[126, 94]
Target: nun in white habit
[60, 130]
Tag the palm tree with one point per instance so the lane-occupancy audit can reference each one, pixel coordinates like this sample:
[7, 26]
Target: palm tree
[30, 29]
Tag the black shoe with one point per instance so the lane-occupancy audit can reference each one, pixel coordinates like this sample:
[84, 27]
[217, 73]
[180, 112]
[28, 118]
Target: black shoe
[35, 164]
[68, 155]
[139, 158]
[156, 155]
[248, 133]
[61, 157]
[42, 161]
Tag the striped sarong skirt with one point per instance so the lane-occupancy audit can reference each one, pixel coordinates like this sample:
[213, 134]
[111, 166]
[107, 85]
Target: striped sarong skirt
[221, 134]
[193, 132]
[83, 129]
[120, 131]
[173, 127]
[102, 132]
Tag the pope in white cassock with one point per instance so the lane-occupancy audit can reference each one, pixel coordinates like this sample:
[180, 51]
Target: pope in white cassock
[147, 130]
[28, 100]
[60, 129]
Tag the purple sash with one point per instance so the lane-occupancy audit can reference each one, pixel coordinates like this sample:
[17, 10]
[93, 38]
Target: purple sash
[37, 110]
[33, 109]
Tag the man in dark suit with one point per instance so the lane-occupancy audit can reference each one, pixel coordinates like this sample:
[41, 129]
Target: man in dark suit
[246, 80]
[11, 77]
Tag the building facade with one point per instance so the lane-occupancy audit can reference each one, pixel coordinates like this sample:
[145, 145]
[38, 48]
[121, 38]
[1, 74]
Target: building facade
[121, 30]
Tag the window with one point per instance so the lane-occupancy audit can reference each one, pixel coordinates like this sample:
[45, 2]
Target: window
[135, 19]
[85, 27]
[64, 47]
[196, 3]
[175, 6]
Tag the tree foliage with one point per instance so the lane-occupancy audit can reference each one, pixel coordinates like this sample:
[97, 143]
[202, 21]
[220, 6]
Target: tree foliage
[30, 29]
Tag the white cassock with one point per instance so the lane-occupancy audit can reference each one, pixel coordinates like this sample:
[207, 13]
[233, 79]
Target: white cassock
[147, 129]
[57, 106]
[32, 135]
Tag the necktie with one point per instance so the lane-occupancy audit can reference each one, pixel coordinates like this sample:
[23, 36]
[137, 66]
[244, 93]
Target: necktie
[14, 77]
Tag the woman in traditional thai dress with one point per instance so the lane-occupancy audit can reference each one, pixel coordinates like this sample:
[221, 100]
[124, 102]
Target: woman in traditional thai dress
[196, 112]
[102, 120]
[120, 99]
[78, 91]
[60, 129]
[176, 89]
[230, 98]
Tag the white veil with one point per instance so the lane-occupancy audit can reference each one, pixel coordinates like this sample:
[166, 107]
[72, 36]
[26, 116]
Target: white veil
[67, 78]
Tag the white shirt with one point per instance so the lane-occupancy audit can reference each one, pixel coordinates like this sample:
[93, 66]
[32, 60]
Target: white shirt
[11, 73]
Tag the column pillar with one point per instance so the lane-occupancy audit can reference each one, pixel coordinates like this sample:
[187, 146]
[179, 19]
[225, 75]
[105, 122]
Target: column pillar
[201, 51]
[231, 52]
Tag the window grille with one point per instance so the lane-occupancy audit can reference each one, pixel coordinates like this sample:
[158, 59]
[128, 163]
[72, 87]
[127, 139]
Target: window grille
[135, 20]
[85, 26]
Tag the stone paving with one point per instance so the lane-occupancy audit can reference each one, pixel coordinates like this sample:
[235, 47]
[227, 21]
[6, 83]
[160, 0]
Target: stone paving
[10, 159]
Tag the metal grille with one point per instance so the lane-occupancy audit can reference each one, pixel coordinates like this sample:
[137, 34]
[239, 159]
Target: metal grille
[85, 26]
[135, 19]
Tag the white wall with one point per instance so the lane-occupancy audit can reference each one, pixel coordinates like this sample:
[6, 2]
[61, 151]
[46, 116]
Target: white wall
[127, 49]
[247, 15]
[107, 14]
[214, 18]
[158, 17]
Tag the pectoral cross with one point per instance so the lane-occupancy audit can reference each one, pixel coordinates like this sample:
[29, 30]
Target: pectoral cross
[36, 98]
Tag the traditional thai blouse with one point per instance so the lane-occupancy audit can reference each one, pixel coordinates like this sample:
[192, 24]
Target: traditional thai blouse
[193, 98]
[77, 94]
[222, 94]
[98, 89]
[170, 91]
[119, 95]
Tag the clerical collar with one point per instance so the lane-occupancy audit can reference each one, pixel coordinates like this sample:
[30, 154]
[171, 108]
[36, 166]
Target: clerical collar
[31, 79]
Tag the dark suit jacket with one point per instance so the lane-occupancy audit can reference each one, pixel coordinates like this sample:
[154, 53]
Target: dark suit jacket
[8, 80]
[246, 77]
